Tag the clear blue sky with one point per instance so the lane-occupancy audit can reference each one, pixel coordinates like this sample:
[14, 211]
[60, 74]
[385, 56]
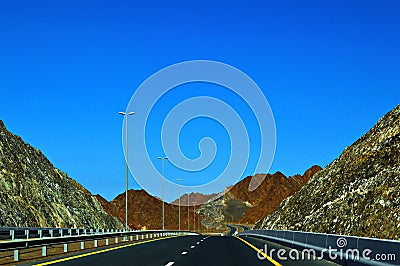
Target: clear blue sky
[329, 69]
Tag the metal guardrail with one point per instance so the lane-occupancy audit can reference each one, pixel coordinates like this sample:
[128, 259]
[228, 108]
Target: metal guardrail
[13, 233]
[22, 238]
[346, 246]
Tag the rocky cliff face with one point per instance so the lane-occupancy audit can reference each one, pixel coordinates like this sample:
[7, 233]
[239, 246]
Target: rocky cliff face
[33, 193]
[357, 194]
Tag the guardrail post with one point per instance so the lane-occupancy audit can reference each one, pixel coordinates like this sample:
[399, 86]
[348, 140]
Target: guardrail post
[95, 243]
[51, 232]
[147, 236]
[65, 247]
[40, 233]
[44, 251]
[27, 234]
[84, 231]
[116, 240]
[137, 237]
[70, 232]
[61, 232]
[82, 245]
[131, 238]
[107, 242]
[142, 237]
[12, 234]
[16, 255]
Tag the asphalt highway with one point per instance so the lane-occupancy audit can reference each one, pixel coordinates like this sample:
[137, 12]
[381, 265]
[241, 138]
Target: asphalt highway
[184, 250]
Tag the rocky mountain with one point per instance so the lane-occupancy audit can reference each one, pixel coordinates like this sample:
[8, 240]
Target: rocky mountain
[272, 191]
[357, 194]
[33, 193]
[245, 206]
[145, 211]
[238, 204]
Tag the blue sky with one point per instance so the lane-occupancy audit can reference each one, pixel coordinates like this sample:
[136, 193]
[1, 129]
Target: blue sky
[329, 69]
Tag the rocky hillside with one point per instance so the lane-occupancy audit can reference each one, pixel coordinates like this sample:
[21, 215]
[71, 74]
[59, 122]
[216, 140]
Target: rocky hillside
[33, 193]
[357, 194]
[242, 205]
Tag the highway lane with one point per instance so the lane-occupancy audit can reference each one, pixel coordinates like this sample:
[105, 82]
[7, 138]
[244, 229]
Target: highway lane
[150, 252]
[187, 250]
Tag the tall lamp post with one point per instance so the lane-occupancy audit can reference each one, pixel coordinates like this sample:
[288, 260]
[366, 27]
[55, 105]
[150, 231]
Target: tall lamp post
[188, 213]
[162, 188]
[126, 114]
[179, 203]
[194, 216]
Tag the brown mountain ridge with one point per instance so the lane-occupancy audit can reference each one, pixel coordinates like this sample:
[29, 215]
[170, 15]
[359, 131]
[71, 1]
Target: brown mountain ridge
[237, 205]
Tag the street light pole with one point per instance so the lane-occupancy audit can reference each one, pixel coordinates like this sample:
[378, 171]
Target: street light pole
[179, 203]
[125, 114]
[162, 188]
[188, 213]
[194, 216]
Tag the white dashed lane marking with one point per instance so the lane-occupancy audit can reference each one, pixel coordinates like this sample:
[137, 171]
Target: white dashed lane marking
[192, 246]
[170, 263]
[184, 252]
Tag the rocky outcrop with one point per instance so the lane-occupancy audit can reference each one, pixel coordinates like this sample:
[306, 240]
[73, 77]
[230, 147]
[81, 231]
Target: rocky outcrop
[357, 194]
[33, 193]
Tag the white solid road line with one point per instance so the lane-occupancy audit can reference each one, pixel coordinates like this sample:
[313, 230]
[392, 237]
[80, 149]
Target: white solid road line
[170, 263]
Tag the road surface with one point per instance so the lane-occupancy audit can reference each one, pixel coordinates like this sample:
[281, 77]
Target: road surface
[184, 250]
